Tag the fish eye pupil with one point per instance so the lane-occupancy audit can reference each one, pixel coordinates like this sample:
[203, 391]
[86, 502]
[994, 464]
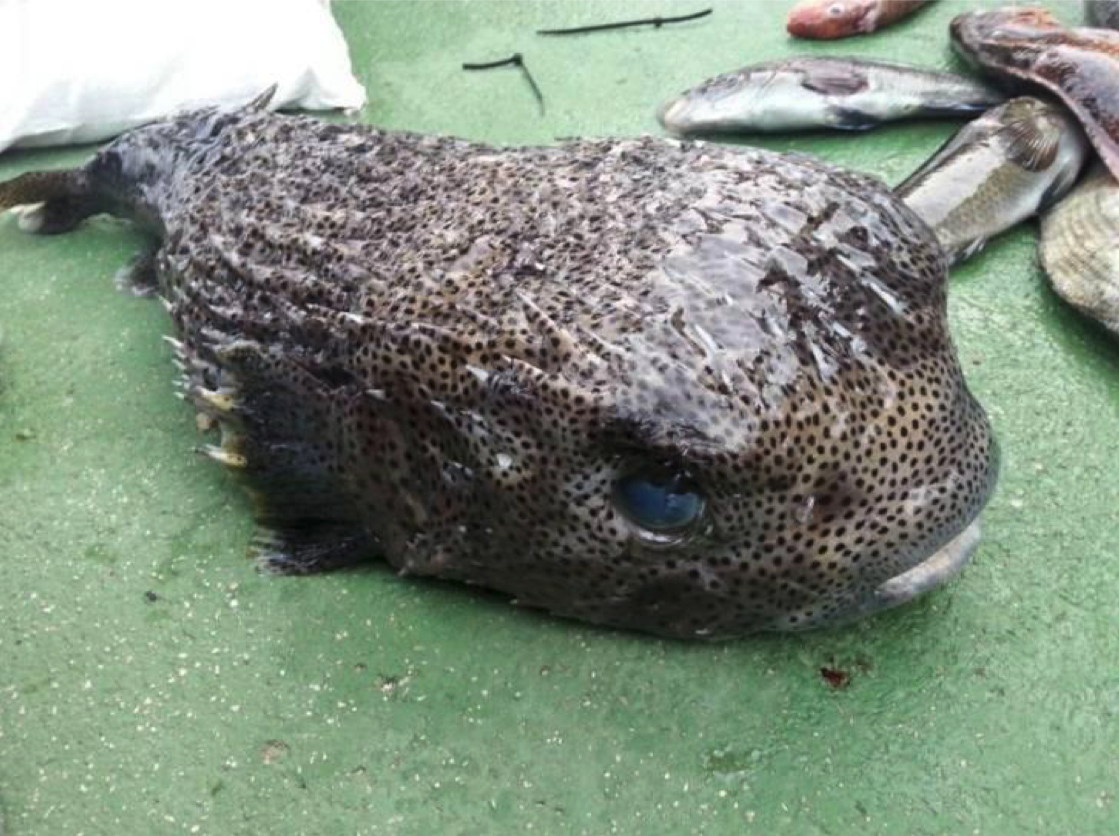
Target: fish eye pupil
[661, 503]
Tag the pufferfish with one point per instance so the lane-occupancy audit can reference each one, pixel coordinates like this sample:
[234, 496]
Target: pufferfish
[692, 390]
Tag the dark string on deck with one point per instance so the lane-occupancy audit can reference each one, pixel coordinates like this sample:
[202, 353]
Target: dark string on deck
[656, 22]
[514, 60]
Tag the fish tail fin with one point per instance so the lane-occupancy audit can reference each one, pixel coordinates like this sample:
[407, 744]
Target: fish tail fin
[37, 186]
[263, 99]
[60, 199]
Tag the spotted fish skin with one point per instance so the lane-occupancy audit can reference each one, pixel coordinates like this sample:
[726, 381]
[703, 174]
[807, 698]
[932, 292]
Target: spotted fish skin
[1078, 65]
[447, 354]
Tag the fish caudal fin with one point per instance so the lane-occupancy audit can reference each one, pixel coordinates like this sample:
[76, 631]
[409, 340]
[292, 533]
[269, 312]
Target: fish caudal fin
[59, 200]
[38, 186]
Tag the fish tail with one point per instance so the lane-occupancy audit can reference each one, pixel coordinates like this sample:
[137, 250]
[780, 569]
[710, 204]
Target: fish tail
[36, 187]
[61, 199]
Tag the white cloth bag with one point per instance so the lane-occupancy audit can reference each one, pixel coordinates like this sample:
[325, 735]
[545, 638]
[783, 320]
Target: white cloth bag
[84, 70]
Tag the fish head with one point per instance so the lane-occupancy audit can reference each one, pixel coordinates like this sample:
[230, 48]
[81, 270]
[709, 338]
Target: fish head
[768, 96]
[1000, 36]
[771, 432]
[830, 19]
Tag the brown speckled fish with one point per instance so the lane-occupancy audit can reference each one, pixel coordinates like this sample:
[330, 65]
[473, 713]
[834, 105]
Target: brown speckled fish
[831, 19]
[1081, 66]
[692, 390]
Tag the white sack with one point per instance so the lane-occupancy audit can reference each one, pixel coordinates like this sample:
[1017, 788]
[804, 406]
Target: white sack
[84, 70]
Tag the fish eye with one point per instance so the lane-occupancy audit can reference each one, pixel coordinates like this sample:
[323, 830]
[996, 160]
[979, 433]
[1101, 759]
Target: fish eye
[836, 9]
[663, 503]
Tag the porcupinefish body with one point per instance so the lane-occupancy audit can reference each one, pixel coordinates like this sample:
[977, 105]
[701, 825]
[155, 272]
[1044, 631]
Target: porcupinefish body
[691, 390]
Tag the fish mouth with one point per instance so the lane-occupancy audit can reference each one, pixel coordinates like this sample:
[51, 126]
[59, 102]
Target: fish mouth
[935, 570]
[672, 114]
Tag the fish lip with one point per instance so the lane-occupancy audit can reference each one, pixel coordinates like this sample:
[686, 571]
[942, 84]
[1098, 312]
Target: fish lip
[940, 567]
[937, 569]
[670, 112]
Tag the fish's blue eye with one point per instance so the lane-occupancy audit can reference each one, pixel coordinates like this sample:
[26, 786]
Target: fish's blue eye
[661, 504]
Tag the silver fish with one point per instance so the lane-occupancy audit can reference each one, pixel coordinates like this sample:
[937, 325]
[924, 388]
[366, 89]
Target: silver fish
[1079, 248]
[804, 93]
[995, 172]
[693, 390]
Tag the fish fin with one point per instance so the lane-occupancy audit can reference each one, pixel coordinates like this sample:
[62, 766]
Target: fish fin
[829, 81]
[967, 252]
[952, 146]
[1032, 146]
[140, 276]
[61, 200]
[38, 186]
[293, 550]
[263, 99]
[1070, 71]
[849, 119]
[960, 107]
[1057, 190]
[271, 415]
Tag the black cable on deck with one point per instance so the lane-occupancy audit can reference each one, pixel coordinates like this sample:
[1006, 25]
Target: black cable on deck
[514, 60]
[656, 22]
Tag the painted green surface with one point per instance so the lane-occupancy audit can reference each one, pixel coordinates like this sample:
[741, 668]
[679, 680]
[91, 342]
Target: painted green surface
[152, 683]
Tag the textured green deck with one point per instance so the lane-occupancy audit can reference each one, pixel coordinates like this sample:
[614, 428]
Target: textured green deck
[152, 683]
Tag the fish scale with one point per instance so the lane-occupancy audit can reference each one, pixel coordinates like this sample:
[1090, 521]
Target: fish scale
[412, 357]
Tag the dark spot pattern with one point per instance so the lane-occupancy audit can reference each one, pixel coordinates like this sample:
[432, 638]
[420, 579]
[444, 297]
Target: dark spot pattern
[446, 353]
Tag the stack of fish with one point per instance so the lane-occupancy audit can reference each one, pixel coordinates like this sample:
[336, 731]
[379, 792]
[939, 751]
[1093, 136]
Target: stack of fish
[1019, 159]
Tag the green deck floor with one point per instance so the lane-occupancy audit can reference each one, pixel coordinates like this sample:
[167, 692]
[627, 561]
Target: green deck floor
[151, 682]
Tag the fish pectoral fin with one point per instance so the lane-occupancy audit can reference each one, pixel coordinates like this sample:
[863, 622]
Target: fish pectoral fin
[849, 119]
[1056, 190]
[967, 252]
[1031, 145]
[277, 413]
[306, 522]
[263, 99]
[831, 81]
[140, 276]
[302, 548]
